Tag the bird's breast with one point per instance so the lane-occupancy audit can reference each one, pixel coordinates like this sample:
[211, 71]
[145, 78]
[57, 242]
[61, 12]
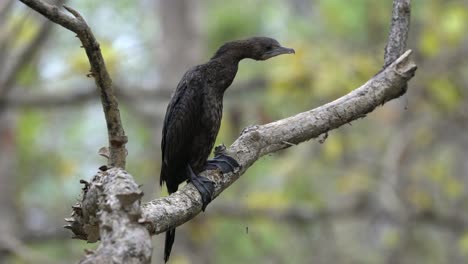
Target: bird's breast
[205, 138]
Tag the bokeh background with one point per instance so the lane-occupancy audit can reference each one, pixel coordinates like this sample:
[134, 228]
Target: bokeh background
[389, 188]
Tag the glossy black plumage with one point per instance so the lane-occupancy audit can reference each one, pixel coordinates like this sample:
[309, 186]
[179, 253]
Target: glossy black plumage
[193, 116]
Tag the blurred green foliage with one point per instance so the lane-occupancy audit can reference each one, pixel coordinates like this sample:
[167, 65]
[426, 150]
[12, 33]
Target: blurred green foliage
[339, 45]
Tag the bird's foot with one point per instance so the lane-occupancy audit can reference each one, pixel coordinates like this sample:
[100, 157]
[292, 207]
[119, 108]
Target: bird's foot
[204, 186]
[222, 162]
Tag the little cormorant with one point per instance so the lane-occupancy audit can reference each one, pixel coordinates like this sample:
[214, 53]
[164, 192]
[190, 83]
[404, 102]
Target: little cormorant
[193, 118]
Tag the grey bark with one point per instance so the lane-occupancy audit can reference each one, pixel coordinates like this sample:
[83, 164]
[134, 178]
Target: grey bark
[399, 31]
[111, 208]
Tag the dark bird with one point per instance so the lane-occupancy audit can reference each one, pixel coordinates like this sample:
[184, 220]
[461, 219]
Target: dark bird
[193, 118]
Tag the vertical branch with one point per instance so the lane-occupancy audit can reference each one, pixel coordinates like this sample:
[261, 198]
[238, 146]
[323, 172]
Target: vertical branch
[399, 30]
[116, 133]
[116, 212]
[77, 24]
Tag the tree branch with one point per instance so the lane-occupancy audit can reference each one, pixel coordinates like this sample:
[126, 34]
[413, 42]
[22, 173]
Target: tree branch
[110, 212]
[399, 31]
[257, 141]
[161, 214]
[77, 24]
[110, 205]
[115, 198]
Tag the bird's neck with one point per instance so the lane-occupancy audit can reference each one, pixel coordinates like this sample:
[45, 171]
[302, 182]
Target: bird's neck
[231, 58]
[233, 51]
[223, 70]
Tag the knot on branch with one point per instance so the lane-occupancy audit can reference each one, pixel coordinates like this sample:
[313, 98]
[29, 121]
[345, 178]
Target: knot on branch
[405, 67]
[404, 6]
[129, 198]
[118, 141]
[111, 191]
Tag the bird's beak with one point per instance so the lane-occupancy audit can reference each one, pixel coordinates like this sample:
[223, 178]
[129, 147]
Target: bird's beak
[278, 51]
[284, 50]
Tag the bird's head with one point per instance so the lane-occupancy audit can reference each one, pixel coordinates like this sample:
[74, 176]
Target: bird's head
[263, 48]
[257, 48]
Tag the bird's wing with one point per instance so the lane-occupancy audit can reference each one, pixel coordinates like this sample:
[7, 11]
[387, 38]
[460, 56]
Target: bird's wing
[180, 124]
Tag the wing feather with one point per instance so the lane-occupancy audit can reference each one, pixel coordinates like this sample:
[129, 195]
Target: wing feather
[181, 124]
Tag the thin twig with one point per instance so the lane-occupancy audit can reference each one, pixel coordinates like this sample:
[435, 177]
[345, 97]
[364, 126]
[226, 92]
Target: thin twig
[77, 24]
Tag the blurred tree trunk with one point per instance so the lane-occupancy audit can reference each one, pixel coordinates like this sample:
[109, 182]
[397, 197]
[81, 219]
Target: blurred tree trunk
[304, 8]
[178, 46]
[8, 220]
[9, 214]
[17, 56]
[180, 43]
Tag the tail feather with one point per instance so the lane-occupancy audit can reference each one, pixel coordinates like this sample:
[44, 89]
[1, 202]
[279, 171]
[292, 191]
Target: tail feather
[172, 185]
[170, 236]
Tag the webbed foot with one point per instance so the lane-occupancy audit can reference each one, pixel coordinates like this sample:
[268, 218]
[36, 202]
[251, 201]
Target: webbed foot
[204, 186]
[223, 162]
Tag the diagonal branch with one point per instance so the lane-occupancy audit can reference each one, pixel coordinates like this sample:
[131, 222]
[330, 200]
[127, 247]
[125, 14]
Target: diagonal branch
[77, 24]
[102, 197]
[57, 16]
[255, 142]
[161, 214]
[390, 83]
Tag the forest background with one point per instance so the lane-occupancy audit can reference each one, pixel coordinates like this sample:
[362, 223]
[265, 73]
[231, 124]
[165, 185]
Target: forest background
[389, 188]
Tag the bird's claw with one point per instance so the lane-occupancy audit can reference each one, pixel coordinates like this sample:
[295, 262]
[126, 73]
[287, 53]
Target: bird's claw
[205, 187]
[222, 162]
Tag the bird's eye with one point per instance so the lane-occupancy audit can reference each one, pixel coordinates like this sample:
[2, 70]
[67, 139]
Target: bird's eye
[269, 47]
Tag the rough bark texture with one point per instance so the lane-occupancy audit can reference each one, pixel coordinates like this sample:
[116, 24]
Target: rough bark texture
[399, 31]
[110, 210]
